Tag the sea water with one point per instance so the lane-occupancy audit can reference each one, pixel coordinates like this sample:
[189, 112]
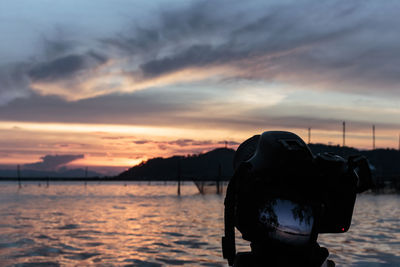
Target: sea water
[141, 224]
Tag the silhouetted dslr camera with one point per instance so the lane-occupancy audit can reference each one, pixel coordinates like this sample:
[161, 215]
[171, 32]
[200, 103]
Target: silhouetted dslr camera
[282, 194]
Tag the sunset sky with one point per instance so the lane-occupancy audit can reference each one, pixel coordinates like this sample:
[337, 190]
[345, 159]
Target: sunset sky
[111, 83]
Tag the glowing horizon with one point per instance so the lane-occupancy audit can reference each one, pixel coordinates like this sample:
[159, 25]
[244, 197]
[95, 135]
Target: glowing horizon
[122, 146]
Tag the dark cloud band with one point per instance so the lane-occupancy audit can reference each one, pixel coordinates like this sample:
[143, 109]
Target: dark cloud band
[52, 162]
[65, 67]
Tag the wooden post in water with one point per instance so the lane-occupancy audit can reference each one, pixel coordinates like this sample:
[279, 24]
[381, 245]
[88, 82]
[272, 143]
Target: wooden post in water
[219, 191]
[19, 176]
[86, 171]
[179, 178]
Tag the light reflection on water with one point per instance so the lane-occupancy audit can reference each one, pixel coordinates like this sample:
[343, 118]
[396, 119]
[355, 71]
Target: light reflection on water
[149, 225]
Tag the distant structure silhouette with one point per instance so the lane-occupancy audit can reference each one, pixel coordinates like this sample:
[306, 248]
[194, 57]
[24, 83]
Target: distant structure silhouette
[344, 134]
[373, 137]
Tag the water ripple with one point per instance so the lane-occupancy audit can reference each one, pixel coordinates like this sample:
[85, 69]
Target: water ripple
[68, 224]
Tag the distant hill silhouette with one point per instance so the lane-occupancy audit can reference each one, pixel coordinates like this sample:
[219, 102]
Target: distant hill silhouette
[218, 163]
[209, 165]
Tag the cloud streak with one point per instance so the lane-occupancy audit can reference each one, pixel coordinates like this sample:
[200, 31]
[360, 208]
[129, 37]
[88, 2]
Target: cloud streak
[188, 109]
[337, 45]
[186, 143]
[334, 47]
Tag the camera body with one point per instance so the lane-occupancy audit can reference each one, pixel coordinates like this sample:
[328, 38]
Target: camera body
[277, 168]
